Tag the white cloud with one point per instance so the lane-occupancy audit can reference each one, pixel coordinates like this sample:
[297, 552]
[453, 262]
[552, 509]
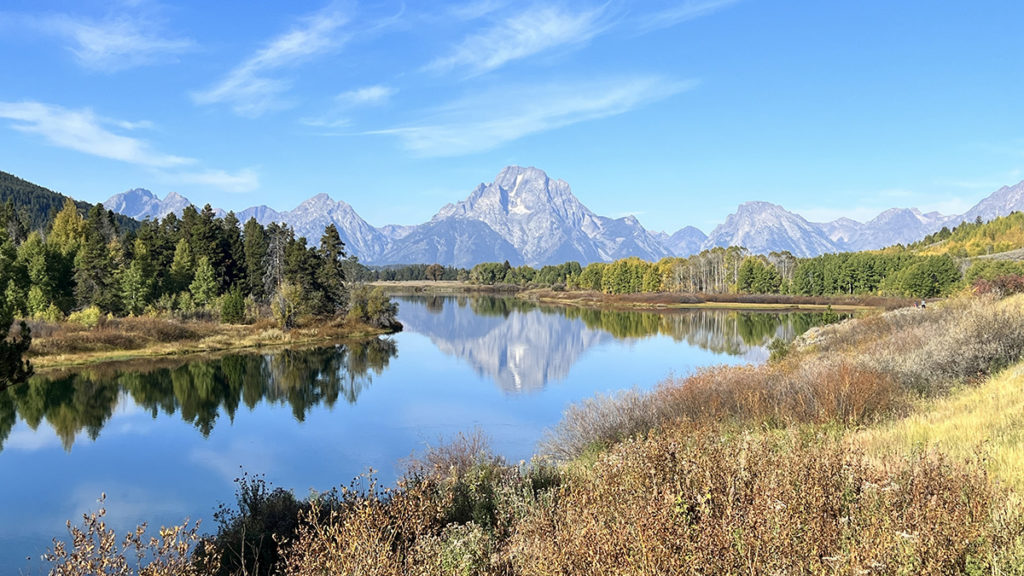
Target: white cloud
[487, 120]
[84, 131]
[529, 32]
[245, 180]
[376, 95]
[368, 96]
[115, 44]
[248, 88]
[477, 9]
[680, 13]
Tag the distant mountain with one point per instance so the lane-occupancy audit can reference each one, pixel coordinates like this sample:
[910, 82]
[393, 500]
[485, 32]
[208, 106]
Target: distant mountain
[1003, 201]
[141, 204]
[684, 242]
[762, 227]
[547, 224]
[311, 217]
[452, 242]
[894, 226]
[524, 216]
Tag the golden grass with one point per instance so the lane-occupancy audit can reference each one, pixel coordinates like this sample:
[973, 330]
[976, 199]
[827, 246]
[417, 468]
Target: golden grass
[127, 339]
[984, 423]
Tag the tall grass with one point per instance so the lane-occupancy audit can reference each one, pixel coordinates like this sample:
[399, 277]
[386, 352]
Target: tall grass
[983, 423]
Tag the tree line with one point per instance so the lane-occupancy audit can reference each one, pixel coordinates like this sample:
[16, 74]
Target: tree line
[196, 265]
[734, 270]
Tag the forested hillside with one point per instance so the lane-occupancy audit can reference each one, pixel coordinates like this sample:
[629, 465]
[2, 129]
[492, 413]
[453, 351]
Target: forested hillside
[976, 238]
[36, 206]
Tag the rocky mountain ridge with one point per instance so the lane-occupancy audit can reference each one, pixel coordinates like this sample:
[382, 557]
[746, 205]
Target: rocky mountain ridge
[525, 217]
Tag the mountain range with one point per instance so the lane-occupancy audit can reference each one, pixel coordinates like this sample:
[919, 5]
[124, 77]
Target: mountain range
[525, 217]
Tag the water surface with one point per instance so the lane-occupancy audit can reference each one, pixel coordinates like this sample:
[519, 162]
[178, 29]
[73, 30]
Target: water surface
[166, 442]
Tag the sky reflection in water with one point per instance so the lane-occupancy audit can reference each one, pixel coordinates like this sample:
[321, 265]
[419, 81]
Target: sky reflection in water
[168, 442]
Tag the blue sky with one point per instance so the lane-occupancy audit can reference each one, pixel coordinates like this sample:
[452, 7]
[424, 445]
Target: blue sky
[673, 111]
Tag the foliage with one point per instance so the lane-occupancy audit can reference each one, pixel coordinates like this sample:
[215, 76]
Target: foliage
[976, 238]
[1007, 285]
[90, 317]
[204, 284]
[232, 306]
[13, 368]
[373, 308]
[758, 276]
[284, 304]
[37, 205]
[96, 549]
[249, 533]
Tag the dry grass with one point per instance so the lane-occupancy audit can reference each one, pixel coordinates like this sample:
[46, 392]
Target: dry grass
[984, 424]
[123, 339]
[964, 340]
[692, 501]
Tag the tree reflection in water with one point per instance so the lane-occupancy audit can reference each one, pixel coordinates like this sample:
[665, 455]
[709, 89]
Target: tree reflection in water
[199, 390]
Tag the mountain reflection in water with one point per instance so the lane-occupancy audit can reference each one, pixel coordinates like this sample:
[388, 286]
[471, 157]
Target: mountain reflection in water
[523, 346]
[520, 346]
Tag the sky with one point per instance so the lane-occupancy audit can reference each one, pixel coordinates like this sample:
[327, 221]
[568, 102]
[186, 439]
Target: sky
[673, 111]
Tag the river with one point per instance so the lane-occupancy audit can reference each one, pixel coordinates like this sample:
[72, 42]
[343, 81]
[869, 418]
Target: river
[167, 441]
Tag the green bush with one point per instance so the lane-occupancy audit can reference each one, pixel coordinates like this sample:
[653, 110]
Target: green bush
[232, 306]
[90, 317]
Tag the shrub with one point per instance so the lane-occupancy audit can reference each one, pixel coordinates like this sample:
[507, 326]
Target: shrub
[248, 535]
[696, 501]
[90, 317]
[232, 306]
[96, 549]
[374, 308]
[599, 422]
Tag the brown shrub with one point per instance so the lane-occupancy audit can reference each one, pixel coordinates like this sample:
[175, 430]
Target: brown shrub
[599, 422]
[696, 502]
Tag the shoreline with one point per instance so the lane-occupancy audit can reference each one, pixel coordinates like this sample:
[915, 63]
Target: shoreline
[202, 339]
[658, 301]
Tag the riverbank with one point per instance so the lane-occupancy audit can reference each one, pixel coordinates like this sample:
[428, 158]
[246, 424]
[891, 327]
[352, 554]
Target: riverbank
[650, 301]
[813, 463]
[120, 340]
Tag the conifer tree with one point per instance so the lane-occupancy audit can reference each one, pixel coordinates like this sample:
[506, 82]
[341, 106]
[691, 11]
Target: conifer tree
[204, 285]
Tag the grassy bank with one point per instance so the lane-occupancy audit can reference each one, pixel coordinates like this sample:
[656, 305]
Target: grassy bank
[812, 464]
[649, 301]
[754, 302]
[442, 287]
[66, 344]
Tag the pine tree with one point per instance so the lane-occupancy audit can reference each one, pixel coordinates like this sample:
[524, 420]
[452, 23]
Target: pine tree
[94, 271]
[330, 276]
[254, 248]
[204, 285]
[182, 268]
[68, 231]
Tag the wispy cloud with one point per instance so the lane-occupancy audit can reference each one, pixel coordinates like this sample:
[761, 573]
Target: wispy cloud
[245, 180]
[249, 88]
[84, 131]
[476, 9]
[529, 32]
[680, 13]
[116, 44]
[368, 96]
[376, 95]
[490, 119]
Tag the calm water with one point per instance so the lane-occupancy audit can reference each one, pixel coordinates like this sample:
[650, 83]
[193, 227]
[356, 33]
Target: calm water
[167, 442]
